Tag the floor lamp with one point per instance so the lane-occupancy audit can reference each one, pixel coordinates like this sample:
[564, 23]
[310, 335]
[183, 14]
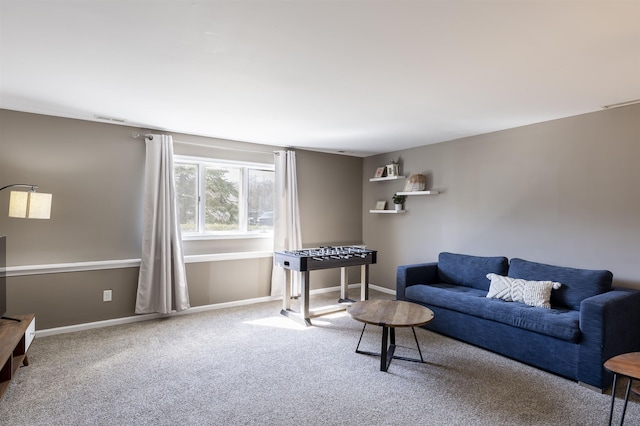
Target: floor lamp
[28, 204]
[23, 204]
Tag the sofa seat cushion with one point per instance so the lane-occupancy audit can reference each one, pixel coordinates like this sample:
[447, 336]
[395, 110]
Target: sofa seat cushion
[577, 284]
[559, 323]
[470, 271]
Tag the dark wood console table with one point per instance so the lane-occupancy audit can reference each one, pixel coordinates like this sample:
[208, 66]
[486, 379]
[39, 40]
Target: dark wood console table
[15, 338]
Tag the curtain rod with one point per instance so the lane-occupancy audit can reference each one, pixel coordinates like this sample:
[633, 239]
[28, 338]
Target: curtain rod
[137, 135]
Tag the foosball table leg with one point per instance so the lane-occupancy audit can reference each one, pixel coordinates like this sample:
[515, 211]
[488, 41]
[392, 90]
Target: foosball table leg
[364, 282]
[286, 301]
[344, 286]
[304, 296]
[304, 315]
[344, 283]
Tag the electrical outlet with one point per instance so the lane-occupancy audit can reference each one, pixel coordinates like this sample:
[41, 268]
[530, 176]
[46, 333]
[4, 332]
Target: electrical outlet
[106, 295]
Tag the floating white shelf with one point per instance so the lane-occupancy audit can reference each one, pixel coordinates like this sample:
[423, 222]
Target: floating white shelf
[418, 193]
[386, 178]
[387, 211]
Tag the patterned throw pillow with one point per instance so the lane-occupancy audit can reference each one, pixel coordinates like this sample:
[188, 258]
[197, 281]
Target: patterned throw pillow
[532, 293]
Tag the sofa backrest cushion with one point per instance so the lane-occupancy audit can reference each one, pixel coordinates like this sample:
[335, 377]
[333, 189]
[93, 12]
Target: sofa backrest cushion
[577, 284]
[470, 271]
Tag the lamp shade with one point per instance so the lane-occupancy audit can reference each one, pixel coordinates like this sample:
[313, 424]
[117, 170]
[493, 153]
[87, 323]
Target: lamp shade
[18, 204]
[30, 205]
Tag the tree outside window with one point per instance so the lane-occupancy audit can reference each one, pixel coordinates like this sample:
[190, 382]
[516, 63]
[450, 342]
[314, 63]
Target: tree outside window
[223, 198]
[186, 178]
[222, 212]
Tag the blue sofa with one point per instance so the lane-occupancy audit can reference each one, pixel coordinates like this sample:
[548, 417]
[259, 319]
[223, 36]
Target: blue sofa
[589, 321]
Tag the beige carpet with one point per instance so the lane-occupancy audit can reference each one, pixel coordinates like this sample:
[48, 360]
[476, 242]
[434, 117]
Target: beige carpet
[252, 366]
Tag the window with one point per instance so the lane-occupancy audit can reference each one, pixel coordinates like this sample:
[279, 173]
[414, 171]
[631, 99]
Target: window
[218, 198]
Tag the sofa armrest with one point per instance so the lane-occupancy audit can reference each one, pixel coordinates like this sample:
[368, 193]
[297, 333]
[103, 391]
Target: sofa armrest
[610, 325]
[419, 273]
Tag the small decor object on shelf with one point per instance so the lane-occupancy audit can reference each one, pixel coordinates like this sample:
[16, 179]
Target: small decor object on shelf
[393, 169]
[381, 172]
[380, 205]
[398, 200]
[416, 182]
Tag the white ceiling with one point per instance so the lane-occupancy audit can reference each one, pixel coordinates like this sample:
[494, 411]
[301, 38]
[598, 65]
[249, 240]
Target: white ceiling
[362, 77]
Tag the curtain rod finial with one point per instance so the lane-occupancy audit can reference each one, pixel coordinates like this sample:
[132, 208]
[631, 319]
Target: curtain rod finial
[137, 135]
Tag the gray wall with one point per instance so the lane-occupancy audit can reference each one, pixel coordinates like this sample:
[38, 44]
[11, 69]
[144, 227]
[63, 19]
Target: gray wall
[564, 192]
[330, 193]
[95, 172]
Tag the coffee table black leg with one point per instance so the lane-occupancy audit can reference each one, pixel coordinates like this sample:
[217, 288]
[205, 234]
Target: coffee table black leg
[417, 344]
[388, 348]
[383, 351]
[626, 400]
[360, 340]
[613, 396]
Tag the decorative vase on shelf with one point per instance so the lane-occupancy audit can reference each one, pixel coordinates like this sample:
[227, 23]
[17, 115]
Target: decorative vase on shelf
[398, 207]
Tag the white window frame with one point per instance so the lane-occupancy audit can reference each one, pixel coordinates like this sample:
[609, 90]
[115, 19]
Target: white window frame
[245, 166]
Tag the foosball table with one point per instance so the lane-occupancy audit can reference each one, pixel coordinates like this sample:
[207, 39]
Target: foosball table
[307, 260]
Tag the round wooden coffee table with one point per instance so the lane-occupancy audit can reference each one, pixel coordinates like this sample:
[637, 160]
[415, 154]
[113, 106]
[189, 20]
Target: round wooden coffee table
[390, 314]
[627, 365]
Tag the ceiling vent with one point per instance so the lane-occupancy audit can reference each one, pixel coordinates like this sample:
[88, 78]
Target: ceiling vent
[114, 120]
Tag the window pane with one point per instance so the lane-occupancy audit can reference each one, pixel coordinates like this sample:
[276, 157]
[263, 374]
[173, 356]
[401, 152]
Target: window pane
[222, 189]
[186, 177]
[260, 200]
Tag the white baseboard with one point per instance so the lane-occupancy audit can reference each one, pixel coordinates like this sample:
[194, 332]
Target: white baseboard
[146, 317]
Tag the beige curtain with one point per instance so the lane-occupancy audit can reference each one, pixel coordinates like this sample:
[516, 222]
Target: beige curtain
[162, 282]
[286, 218]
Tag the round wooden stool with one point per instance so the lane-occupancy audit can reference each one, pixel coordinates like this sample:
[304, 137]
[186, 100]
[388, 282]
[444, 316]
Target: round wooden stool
[627, 365]
[390, 314]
